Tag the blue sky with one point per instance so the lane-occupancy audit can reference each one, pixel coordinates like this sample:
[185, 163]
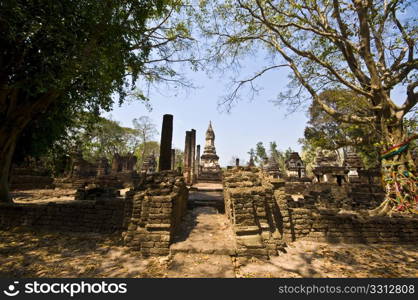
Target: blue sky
[236, 132]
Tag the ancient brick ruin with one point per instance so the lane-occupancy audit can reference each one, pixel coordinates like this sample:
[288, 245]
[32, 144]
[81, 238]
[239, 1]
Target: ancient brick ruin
[268, 213]
[209, 165]
[266, 208]
[30, 176]
[158, 205]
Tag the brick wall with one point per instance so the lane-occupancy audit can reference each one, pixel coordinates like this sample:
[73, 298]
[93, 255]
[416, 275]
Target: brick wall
[78, 216]
[267, 213]
[158, 204]
[304, 219]
[28, 178]
[308, 217]
[251, 208]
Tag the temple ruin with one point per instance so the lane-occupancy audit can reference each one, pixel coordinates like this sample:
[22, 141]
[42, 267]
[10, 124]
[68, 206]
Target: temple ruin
[265, 208]
[295, 168]
[327, 168]
[209, 165]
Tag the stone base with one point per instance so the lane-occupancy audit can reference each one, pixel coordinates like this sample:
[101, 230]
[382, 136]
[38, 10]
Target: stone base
[210, 177]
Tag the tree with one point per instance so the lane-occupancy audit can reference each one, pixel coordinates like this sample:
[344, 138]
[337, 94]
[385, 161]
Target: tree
[325, 132]
[251, 153]
[143, 150]
[179, 159]
[74, 55]
[364, 46]
[94, 136]
[106, 138]
[260, 153]
[273, 150]
[280, 156]
[147, 131]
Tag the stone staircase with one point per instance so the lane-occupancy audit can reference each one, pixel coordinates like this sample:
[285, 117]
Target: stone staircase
[206, 231]
[207, 194]
[205, 239]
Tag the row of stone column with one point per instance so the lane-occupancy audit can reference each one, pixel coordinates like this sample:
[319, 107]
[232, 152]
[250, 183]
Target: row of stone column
[191, 157]
[168, 155]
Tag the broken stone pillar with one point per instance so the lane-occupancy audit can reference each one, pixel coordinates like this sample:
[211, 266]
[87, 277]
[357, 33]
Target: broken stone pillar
[187, 158]
[173, 159]
[197, 170]
[193, 156]
[165, 144]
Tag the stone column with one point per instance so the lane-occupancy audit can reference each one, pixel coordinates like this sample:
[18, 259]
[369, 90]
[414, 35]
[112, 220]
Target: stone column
[197, 170]
[237, 162]
[173, 159]
[187, 158]
[193, 156]
[165, 144]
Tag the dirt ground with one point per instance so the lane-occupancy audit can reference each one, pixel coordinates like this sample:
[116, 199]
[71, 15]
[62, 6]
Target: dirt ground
[25, 253]
[43, 195]
[205, 248]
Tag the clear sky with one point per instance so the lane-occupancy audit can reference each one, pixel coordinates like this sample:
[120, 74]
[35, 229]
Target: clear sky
[236, 132]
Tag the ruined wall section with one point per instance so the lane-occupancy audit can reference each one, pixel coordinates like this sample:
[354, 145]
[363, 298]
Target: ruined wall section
[319, 216]
[268, 213]
[158, 204]
[352, 196]
[104, 216]
[251, 208]
[30, 178]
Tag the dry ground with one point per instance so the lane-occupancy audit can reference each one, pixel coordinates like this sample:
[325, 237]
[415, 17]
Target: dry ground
[25, 253]
[43, 195]
[202, 250]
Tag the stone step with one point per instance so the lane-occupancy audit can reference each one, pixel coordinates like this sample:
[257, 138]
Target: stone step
[218, 205]
[207, 190]
[209, 250]
[209, 179]
[205, 231]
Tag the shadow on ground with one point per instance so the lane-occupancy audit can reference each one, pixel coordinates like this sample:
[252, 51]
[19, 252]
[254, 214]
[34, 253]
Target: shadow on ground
[26, 253]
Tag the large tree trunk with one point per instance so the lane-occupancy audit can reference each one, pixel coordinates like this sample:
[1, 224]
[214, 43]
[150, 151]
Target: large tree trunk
[398, 171]
[7, 148]
[15, 117]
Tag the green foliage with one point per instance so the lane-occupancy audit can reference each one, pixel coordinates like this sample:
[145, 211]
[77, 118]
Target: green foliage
[59, 59]
[179, 158]
[280, 156]
[146, 130]
[80, 49]
[260, 153]
[105, 138]
[94, 136]
[145, 149]
[326, 132]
